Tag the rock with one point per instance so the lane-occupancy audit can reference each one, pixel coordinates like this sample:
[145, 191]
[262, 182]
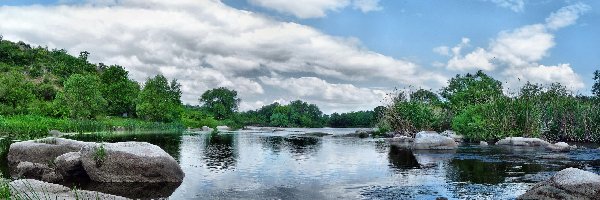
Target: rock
[28, 188]
[570, 183]
[223, 128]
[278, 129]
[206, 128]
[130, 162]
[441, 198]
[483, 143]
[403, 142]
[36, 171]
[55, 133]
[521, 141]
[559, 146]
[42, 151]
[69, 164]
[434, 141]
[364, 133]
[453, 135]
[317, 134]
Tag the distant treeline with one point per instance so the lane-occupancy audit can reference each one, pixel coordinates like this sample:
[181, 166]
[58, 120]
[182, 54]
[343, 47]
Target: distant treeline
[43, 84]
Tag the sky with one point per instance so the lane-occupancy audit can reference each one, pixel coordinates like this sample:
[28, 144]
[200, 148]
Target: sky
[343, 55]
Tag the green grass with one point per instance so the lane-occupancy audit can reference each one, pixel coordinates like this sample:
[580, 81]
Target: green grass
[26, 127]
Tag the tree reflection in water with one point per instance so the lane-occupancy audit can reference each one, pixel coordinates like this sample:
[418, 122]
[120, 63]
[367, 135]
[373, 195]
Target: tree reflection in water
[400, 158]
[220, 152]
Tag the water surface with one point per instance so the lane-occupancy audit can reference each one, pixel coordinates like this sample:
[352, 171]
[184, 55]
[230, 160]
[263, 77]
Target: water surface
[286, 165]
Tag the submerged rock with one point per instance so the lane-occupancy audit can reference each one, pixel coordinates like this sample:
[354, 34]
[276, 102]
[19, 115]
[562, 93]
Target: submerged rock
[555, 157]
[434, 141]
[29, 188]
[521, 141]
[130, 162]
[317, 134]
[570, 183]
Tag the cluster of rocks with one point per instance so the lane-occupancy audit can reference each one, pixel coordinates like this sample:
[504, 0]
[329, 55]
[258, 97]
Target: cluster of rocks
[55, 159]
[425, 140]
[30, 188]
[536, 142]
[570, 183]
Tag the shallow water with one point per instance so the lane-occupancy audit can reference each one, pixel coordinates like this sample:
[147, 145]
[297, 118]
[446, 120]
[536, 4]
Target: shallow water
[283, 165]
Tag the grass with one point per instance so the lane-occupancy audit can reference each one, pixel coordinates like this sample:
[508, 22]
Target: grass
[30, 193]
[27, 127]
[100, 155]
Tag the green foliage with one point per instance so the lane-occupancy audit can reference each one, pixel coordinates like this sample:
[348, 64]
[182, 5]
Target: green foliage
[99, 155]
[596, 86]
[159, 100]
[16, 92]
[352, 119]
[82, 96]
[119, 92]
[463, 91]
[221, 102]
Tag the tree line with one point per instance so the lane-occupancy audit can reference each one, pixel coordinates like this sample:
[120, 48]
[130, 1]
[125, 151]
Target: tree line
[38, 81]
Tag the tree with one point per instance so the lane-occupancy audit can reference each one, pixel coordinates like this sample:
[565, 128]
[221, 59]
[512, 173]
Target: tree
[82, 96]
[463, 91]
[424, 96]
[221, 102]
[159, 100]
[119, 91]
[15, 91]
[596, 86]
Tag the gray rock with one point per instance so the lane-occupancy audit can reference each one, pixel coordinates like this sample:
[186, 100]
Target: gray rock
[130, 162]
[453, 135]
[559, 146]
[403, 142]
[434, 141]
[316, 134]
[69, 164]
[55, 133]
[42, 151]
[35, 171]
[223, 128]
[521, 141]
[570, 183]
[483, 143]
[27, 188]
[206, 128]
[363, 133]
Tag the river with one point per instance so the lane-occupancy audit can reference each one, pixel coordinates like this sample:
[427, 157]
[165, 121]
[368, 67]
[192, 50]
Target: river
[253, 164]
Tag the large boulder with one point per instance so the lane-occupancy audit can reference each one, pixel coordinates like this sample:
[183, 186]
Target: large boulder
[42, 151]
[34, 189]
[403, 142]
[223, 128]
[130, 162]
[569, 183]
[433, 141]
[521, 141]
[69, 164]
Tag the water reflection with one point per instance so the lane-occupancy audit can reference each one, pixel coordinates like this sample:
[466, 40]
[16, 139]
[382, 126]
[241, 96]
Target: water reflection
[402, 158]
[220, 152]
[302, 146]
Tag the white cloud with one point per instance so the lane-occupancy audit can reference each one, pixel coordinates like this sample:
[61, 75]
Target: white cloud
[514, 5]
[344, 96]
[517, 53]
[566, 16]
[203, 44]
[315, 8]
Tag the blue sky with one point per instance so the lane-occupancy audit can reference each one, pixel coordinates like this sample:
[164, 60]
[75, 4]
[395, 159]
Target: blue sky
[340, 54]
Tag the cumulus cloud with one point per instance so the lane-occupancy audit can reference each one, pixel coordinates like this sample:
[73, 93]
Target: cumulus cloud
[517, 53]
[325, 93]
[204, 44]
[316, 8]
